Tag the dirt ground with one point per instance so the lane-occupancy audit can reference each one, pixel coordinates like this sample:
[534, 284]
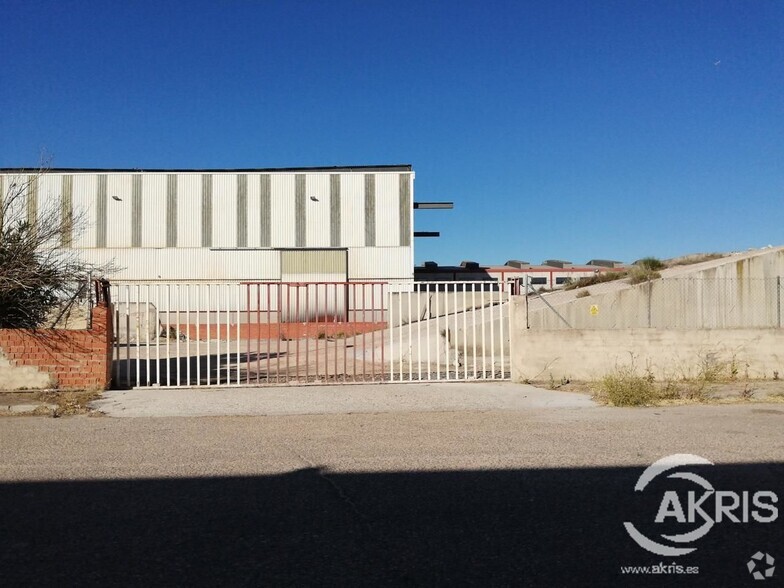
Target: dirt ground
[47, 402]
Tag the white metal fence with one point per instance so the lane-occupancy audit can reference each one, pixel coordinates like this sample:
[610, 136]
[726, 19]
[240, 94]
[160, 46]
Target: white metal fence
[262, 333]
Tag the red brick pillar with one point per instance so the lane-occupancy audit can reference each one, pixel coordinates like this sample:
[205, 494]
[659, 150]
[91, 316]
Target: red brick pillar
[102, 335]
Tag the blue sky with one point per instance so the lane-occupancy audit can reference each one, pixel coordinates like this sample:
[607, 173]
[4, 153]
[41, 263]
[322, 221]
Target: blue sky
[566, 130]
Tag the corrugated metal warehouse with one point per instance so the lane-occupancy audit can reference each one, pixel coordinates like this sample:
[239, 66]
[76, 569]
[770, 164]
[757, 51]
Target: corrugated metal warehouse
[291, 224]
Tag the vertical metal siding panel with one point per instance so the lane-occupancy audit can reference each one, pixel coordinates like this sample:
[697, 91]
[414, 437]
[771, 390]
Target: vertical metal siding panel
[405, 208]
[317, 230]
[265, 211]
[153, 210]
[136, 211]
[224, 210]
[32, 199]
[352, 210]
[188, 210]
[118, 232]
[66, 210]
[84, 209]
[300, 212]
[334, 210]
[171, 210]
[191, 264]
[387, 210]
[242, 210]
[206, 210]
[380, 263]
[48, 201]
[254, 231]
[370, 210]
[282, 205]
[101, 211]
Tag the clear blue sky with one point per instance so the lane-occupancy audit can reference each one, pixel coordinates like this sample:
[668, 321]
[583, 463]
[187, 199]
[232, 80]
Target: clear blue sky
[559, 129]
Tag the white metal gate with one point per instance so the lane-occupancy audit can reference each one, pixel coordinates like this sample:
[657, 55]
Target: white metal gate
[448, 331]
[274, 333]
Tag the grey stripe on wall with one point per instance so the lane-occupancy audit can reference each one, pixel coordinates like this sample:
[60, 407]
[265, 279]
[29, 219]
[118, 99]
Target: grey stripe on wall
[242, 210]
[206, 210]
[265, 219]
[370, 210]
[300, 212]
[136, 211]
[101, 210]
[32, 200]
[66, 211]
[171, 210]
[334, 210]
[405, 210]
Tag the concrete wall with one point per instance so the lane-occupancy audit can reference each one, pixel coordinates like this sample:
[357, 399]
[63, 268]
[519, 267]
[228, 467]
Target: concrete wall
[52, 357]
[736, 293]
[587, 354]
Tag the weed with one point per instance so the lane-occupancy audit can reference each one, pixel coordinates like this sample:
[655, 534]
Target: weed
[640, 274]
[625, 387]
[70, 402]
[583, 294]
[599, 278]
[650, 264]
[711, 369]
[747, 392]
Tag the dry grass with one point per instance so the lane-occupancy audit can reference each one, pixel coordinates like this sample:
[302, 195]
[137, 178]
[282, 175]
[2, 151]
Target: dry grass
[716, 380]
[692, 259]
[624, 387]
[69, 402]
[599, 278]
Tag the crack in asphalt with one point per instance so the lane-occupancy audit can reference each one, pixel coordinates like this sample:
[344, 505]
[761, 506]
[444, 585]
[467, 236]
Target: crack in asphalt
[345, 498]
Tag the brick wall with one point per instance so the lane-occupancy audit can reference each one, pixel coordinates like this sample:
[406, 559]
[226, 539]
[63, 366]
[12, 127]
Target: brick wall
[75, 359]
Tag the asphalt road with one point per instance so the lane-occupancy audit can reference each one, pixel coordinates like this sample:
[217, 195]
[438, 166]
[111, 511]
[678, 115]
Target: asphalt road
[534, 496]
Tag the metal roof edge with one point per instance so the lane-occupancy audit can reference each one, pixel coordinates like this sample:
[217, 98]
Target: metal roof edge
[406, 167]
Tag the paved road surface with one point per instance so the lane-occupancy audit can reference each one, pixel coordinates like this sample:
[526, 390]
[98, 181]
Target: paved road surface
[526, 496]
[341, 399]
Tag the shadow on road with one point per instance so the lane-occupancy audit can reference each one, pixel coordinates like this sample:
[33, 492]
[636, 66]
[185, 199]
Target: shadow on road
[551, 527]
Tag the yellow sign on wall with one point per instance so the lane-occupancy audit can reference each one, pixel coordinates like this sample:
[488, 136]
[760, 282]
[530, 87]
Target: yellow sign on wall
[594, 309]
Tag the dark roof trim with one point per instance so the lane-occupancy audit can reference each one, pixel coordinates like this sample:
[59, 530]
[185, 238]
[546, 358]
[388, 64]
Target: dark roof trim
[338, 168]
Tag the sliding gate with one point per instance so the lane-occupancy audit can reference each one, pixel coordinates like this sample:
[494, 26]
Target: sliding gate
[274, 333]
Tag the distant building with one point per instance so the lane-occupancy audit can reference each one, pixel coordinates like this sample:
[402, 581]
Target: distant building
[549, 275]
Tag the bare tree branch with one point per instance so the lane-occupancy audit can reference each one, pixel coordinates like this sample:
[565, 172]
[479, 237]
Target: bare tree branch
[40, 274]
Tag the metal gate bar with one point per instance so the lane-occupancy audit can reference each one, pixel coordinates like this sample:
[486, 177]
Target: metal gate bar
[461, 332]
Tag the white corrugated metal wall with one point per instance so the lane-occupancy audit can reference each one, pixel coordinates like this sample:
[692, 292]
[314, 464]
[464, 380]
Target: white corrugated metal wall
[228, 225]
